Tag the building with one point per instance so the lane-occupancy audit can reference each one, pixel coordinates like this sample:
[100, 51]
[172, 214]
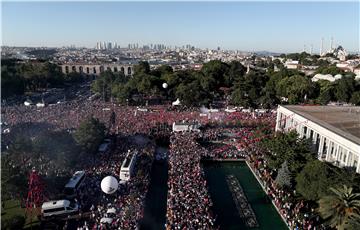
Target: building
[334, 130]
[292, 64]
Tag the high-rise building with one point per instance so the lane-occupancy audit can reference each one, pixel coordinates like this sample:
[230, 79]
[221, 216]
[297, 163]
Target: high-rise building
[109, 46]
[104, 46]
[98, 45]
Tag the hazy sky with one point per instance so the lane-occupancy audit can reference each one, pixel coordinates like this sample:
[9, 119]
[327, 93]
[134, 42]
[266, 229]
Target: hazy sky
[247, 26]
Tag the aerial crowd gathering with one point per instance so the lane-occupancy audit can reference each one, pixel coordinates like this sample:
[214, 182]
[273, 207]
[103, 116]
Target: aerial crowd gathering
[189, 205]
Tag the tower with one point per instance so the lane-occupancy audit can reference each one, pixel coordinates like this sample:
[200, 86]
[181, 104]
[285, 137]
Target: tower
[311, 49]
[331, 44]
[321, 46]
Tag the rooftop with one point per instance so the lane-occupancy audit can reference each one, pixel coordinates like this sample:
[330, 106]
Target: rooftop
[342, 120]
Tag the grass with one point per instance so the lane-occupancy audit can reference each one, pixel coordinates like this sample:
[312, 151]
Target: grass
[13, 208]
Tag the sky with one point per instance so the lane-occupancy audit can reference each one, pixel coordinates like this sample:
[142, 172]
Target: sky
[245, 26]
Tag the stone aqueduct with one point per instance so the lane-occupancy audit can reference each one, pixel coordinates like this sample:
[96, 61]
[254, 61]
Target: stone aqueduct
[97, 69]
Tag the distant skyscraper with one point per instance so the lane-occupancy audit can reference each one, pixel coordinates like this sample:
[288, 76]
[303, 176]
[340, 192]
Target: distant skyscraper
[109, 47]
[218, 48]
[321, 46]
[104, 45]
[98, 45]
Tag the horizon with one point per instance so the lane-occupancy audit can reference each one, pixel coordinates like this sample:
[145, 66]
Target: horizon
[277, 27]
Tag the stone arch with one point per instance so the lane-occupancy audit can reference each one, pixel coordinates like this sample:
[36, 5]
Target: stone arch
[129, 70]
[115, 69]
[81, 69]
[108, 68]
[101, 69]
[94, 70]
[87, 70]
[73, 68]
[122, 69]
[66, 69]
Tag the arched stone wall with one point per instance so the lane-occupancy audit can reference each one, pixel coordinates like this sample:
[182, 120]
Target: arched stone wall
[97, 69]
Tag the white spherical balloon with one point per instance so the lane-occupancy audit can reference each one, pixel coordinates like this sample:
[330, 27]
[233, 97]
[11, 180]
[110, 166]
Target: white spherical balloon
[165, 85]
[109, 185]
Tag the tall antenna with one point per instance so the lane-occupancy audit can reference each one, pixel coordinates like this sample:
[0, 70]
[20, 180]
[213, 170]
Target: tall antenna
[311, 49]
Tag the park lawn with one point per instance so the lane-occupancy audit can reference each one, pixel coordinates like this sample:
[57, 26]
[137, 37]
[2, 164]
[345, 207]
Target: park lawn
[12, 208]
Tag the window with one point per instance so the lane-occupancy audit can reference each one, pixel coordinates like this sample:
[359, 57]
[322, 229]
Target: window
[304, 131]
[311, 134]
[54, 210]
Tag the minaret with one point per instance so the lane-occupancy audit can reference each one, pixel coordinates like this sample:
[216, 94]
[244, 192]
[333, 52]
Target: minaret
[311, 49]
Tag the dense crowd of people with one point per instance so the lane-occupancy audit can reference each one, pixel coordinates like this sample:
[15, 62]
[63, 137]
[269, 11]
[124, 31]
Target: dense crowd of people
[189, 205]
[295, 213]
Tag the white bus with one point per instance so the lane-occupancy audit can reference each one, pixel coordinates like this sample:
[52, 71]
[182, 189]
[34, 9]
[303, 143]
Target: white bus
[58, 208]
[73, 184]
[127, 167]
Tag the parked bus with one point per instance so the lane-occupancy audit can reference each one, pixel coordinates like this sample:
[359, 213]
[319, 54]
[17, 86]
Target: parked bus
[128, 167]
[73, 184]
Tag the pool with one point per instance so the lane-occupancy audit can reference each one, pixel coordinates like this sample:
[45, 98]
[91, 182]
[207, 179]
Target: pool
[224, 207]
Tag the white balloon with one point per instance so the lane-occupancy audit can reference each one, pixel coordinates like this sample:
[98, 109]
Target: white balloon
[165, 85]
[109, 185]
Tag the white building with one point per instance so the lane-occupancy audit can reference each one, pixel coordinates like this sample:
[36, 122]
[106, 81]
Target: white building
[292, 64]
[334, 130]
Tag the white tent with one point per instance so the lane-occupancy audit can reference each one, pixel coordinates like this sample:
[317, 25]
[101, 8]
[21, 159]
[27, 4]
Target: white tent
[177, 102]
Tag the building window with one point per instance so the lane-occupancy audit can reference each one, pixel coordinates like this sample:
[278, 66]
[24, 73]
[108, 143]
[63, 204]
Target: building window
[304, 131]
[311, 134]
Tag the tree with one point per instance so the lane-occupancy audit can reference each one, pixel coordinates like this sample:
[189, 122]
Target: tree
[314, 180]
[295, 88]
[14, 223]
[344, 88]
[283, 178]
[90, 134]
[142, 67]
[355, 98]
[287, 147]
[341, 209]
[13, 179]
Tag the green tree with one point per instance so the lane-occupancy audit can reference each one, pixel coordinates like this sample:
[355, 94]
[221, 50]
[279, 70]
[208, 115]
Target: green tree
[90, 134]
[287, 147]
[283, 178]
[355, 98]
[344, 88]
[142, 67]
[14, 223]
[314, 180]
[295, 88]
[341, 209]
[13, 179]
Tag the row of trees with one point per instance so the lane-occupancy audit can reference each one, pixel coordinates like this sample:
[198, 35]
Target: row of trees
[52, 151]
[219, 80]
[20, 77]
[315, 181]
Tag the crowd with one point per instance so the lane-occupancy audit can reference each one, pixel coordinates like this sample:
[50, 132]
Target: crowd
[124, 208]
[188, 202]
[295, 213]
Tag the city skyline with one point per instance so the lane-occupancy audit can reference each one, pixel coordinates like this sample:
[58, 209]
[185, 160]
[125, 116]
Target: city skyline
[257, 26]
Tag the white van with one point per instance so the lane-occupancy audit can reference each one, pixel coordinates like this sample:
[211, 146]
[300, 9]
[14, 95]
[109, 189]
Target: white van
[59, 207]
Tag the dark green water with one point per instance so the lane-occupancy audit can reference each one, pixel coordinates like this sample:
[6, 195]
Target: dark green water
[224, 207]
[156, 197]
